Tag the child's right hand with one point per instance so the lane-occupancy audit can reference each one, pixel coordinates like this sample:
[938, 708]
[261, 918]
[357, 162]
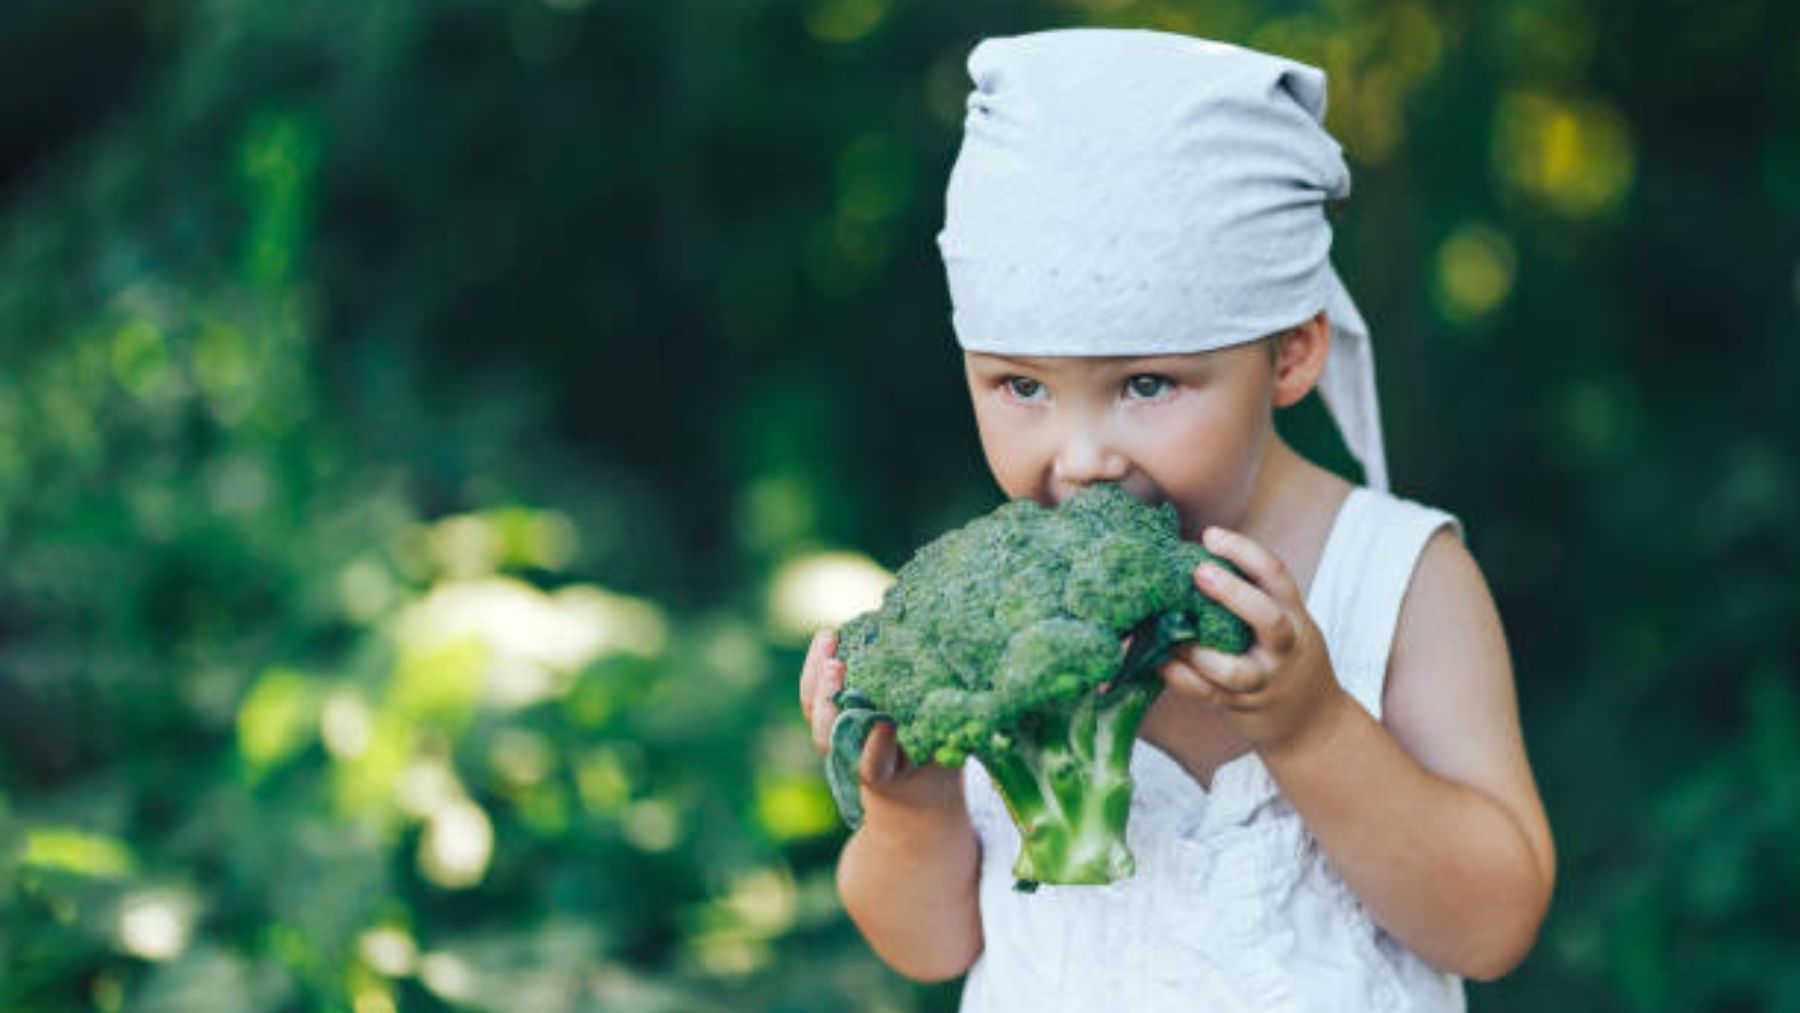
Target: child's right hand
[889, 780]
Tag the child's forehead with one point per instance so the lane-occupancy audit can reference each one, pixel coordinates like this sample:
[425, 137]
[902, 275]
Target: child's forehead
[1090, 363]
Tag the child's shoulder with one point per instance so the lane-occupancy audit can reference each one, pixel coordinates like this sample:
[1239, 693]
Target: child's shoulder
[1396, 508]
[1449, 694]
[1448, 608]
[1444, 595]
[1426, 542]
[1446, 586]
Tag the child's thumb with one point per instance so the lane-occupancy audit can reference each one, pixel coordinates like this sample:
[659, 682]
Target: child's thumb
[881, 755]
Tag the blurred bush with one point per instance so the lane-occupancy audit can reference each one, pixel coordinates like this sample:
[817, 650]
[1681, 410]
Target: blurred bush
[427, 432]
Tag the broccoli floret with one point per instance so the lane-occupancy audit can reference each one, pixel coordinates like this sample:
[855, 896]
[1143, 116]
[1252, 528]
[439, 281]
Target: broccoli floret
[1006, 640]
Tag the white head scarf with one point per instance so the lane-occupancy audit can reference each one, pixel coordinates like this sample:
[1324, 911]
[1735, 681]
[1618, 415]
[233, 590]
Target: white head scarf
[1124, 192]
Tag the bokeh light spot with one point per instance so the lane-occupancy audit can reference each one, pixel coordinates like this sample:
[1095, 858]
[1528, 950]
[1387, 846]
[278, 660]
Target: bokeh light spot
[1474, 272]
[1573, 156]
[457, 845]
[795, 808]
[155, 925]
[824, 589]
[78, 851]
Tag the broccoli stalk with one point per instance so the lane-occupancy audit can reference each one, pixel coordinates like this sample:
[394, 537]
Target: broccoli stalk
[1066, 780]
[1066, 775]
[1006, 640]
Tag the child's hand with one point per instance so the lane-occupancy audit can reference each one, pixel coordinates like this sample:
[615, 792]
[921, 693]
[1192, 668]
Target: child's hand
[889, 779]
[1283, 687]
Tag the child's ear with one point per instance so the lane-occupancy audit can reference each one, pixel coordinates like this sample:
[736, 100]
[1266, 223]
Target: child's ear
[1299, 359]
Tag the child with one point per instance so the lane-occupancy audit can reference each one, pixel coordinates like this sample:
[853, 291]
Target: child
[1344, 818]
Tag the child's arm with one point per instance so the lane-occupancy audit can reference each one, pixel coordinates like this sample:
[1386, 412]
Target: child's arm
[909, 875]
[1433, 820]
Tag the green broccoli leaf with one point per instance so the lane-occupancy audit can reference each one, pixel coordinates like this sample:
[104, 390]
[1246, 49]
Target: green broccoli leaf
[849, 733]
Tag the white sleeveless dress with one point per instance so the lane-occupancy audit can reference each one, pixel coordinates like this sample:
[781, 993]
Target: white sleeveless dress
[1233, 905]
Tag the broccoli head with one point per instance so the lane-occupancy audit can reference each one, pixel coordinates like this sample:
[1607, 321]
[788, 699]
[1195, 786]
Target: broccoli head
[1027, 639]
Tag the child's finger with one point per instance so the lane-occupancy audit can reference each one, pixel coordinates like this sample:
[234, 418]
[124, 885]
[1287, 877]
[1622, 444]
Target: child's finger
[809, 672]
[881, 755]
[1182, 677]
[1232, 673]
[1263, 567]
[824, 712]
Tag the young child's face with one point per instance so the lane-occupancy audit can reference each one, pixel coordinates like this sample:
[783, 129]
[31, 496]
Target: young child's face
[1184, 429]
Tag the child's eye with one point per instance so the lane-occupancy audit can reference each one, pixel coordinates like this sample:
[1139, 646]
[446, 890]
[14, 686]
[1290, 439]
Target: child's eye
[1147, 385]
[1023, 387]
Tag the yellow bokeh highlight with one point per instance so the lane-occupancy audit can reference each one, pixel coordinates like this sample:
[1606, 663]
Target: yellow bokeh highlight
[1474, 272]
[78, 851]
[365, 784]
[1573, 156]
[369, 993]
[372, 999]
[278, 717]
[795, 807]
[439, 682]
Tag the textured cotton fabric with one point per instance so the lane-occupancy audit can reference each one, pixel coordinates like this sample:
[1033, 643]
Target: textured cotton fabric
[1233, 906]
[1124, 192]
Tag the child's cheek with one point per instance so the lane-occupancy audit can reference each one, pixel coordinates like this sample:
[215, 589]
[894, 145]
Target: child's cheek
[1006, 444]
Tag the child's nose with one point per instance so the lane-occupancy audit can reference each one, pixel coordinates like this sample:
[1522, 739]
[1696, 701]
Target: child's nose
[1085, 459]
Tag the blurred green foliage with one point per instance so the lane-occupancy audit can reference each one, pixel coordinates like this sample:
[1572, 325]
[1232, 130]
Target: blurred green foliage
[427, 432]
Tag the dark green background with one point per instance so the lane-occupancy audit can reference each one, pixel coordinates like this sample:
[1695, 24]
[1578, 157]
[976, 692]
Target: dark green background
[312, 314]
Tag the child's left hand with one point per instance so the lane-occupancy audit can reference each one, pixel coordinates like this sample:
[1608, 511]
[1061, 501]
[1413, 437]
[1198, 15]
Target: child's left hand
[1276, 693]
